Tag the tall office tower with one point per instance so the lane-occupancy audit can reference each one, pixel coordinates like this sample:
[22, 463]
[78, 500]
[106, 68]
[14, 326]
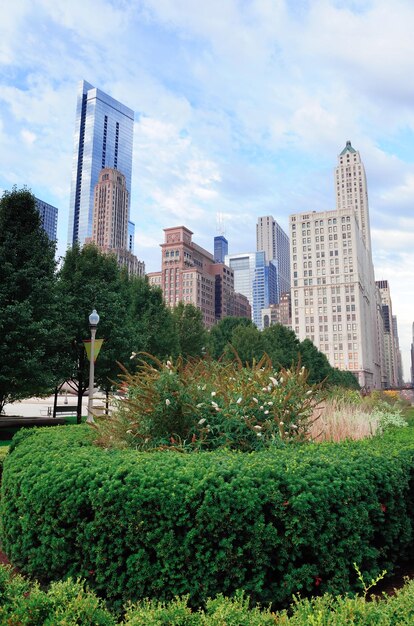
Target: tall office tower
[398, 356]
[272, 239]
[131, 236]
[221, 248]
[351, 189]
[390, 356]
[334, 298]
[49, 217]
[103, 138]
[255, 279]
[110, 211]
[110, 225]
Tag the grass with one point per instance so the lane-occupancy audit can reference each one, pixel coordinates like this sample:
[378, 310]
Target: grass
[7, 435]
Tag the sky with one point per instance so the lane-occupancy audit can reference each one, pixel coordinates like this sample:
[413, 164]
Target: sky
[242, 107]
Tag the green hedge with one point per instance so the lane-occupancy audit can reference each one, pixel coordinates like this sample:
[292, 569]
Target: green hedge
[162, 524]
[71, 602]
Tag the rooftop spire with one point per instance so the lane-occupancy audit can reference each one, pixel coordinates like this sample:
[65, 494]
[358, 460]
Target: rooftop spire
[348, 148]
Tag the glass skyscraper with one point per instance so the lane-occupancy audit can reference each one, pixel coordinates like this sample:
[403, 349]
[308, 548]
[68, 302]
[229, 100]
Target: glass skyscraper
[103, 138]
[49, 216]
[255, 279]
[221, 248]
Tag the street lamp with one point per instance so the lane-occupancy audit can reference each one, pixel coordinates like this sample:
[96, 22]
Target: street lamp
[93, 323]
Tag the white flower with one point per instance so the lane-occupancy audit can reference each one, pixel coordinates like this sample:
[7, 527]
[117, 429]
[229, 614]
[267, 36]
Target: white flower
[274, 381]
[261, 408]
[129, 432]
[264, 389]
[213, 393]
[167, 402]
[202, 421]
[199, 405]
[281, 379]
[266, 412]
[239, 400]
[257, 427]
[259, 434]
[270, 403]
[293, 426]
[133, 355]
[281, 423]
[255, 400]
[214, 404]
[308, 393]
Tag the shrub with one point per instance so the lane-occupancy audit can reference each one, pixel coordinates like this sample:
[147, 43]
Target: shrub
[3, 451]
[208, 405]
[67, 602]
[161, 525]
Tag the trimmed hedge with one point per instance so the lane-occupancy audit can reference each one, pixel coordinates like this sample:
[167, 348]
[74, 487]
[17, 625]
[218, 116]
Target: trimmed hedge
[70, 602]
[163, 524]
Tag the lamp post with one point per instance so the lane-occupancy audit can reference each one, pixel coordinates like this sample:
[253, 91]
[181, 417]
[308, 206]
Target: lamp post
[93, 323]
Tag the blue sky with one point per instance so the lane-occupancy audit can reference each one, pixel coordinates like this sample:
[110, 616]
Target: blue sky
[241, 109]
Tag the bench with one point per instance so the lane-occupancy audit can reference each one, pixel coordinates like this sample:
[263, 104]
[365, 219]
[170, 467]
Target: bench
[67, 409]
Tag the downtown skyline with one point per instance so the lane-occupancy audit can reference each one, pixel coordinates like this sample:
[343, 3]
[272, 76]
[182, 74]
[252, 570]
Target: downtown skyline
[240, 110]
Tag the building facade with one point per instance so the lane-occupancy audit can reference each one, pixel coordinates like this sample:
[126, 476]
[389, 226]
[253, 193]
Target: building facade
[103, 138]
[389, 340]
[221, 248]
[49, 218]
[190, 275]
[110, 223]
[334, 297]
[280, 313]
[274, 242]
[255, 279]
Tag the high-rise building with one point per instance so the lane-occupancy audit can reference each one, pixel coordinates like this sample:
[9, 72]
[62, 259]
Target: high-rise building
[190, 275]
[398, 355]
[334, 298]
[110, 224]
[351, 189]
[389, 341]
[103, 138]
[280, 313]
[131, 236]
[49, 217]
[255, 279]
[221, 248]
[272, 239]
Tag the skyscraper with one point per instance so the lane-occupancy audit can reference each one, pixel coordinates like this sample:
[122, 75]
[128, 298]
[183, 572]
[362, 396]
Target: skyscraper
[49, 217]
[103, 138]
[272, 239]
[334, 297]
[351, 189]
[221, 248]
[255, 279]
[110, 224]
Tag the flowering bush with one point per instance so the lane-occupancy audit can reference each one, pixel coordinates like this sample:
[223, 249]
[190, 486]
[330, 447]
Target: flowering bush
[204, 404]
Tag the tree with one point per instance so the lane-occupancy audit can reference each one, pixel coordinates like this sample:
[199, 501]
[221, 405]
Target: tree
[191, 333]
[282, 345]
[315, 362]
[154, 329]
[220, 335]
[91, 279]
[28, 312]
[247, 342]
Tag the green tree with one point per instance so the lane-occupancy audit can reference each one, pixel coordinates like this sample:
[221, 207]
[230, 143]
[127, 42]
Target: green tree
[315, 362]
[28, 315]
[192, 335]
[281, 345]
[154, 329]
[220, 335]
[247, 342]
[90, 279]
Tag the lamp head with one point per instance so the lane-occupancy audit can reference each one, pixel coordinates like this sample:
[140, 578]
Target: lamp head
[94, 318]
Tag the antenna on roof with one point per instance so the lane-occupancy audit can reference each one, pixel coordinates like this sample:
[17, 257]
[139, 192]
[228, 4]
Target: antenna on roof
[220, 227]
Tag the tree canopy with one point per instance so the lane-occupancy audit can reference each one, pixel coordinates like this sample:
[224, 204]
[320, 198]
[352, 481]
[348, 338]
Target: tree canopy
[29, 325]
